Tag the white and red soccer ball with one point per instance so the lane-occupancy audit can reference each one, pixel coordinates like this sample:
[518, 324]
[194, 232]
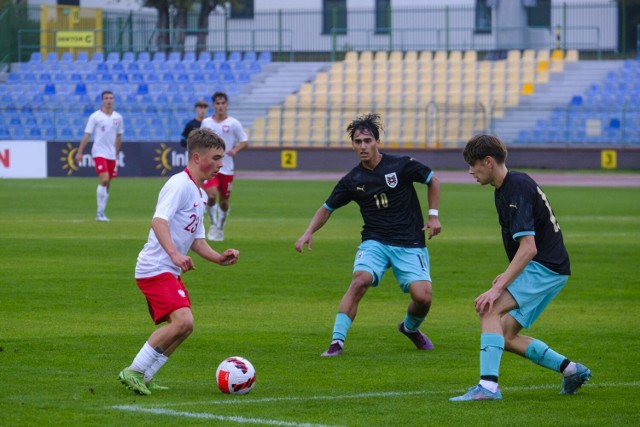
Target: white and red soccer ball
[235, 375]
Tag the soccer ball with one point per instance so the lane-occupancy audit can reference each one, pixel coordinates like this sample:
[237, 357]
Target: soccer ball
[235, 375]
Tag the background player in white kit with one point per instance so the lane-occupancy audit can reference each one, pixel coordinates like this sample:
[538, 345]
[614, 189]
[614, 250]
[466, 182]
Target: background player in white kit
[107, 129]
[235, 139]
[176, 228]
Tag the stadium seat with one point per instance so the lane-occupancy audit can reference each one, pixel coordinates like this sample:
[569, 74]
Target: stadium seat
[159, 57]
[204, 56]
[219, 57]
[128, 57]
[235, 56]
[113, 57]
[250, 56]
[97, 57]
[264, 57]
[143, 57]
[35, 57]
[174, 57]
[189, 57]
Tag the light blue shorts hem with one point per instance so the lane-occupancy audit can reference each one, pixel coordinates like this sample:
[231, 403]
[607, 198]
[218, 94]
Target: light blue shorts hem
[533, 290]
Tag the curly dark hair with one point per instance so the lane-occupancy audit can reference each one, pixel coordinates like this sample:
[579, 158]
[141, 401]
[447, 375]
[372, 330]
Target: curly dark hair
[371, 122]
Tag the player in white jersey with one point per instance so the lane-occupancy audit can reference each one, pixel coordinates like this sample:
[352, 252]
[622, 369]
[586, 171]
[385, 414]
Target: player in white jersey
[176, 228]
[107, 129]
[235, 138]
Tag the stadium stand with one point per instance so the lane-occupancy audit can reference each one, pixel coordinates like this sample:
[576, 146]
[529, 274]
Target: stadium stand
[160, 85]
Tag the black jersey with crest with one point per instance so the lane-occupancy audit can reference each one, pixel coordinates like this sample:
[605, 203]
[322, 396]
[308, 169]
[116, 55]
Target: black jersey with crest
[387, 198]
[523, 209]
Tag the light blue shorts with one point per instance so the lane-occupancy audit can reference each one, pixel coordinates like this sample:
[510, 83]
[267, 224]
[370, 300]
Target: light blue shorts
[533, 290]
[409, 264]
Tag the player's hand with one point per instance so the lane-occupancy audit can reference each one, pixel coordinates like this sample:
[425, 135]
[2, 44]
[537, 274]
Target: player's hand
[484, 303]
[229, 257]
[78, 157]
[304, 239]
[184, 262]
[433, 225]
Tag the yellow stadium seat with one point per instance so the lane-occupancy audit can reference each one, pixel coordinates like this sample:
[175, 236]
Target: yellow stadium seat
[351, 56]
[470, 56]
[410, 56]
[572, 55]
[529, 55]
[395, 56]
[543, 55]
[557, 55]
[513, 55]
[440, 56]
[380, 56]
[366, 56]
[425, 56]
[528, 88]
[455, 56]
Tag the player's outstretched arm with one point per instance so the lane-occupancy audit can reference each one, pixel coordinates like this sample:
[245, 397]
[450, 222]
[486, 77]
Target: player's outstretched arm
[319, 219]
[202, 248]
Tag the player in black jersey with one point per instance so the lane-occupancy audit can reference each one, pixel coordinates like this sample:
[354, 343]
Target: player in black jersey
[538, 269]
[393, 234]
[201, 111]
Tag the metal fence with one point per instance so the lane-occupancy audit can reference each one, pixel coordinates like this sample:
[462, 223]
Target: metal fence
[317, 34]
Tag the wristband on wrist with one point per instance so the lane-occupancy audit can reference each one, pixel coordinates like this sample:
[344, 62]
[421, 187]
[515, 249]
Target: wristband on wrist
[433, 212]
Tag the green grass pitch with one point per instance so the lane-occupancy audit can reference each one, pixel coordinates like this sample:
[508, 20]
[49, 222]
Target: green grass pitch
[71, 316]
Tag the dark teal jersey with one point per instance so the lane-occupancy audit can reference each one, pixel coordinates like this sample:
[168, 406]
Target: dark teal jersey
[523, 209]
[388, 201]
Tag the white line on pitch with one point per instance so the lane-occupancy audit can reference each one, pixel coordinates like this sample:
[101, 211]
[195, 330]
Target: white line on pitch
[245, 400]
[207, 416]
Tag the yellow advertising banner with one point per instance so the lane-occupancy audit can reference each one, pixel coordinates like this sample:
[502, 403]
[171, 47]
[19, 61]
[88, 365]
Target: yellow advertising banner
[75, 39]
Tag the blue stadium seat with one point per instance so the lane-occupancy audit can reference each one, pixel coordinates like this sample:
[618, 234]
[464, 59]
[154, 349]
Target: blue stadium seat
[174, 57]
[116, 67]
[576, 101]
[64, 134]
[189, 57]
[44, 78]
[210, 67]
[224, 66]
[228, 77]
[204, 56]
[52, 57]
[4, 133]
[255, 67]
[235, 56]
[143, 89]
[178, 66]
[159, 57]
[82, 57]
[264, 57]
[219, 57]
[128, 57]
[243, 78]
[35, 57]
[17, 133]
[133, 67]
[49, 89]
[250, 56]
[194, 67]
[113, 57]
[97, 57]
[81, 89]
[35, 132]
[144, 57]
